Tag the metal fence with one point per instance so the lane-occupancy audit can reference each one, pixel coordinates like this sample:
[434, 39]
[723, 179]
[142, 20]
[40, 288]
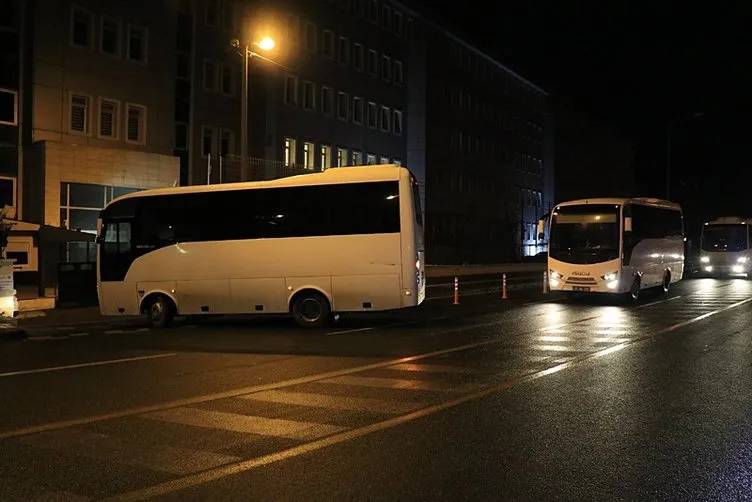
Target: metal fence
[227, 169]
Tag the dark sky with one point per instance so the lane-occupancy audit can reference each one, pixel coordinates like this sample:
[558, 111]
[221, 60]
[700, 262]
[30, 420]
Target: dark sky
[637, 65]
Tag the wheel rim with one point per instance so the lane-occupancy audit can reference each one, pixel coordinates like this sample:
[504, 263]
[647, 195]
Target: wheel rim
[157, 310]
[310, 310]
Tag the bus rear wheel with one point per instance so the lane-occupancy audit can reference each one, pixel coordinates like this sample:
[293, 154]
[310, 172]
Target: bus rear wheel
[159, 311]
[311, 310]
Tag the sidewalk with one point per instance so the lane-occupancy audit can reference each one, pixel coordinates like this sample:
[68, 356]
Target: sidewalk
[71, 319]
[443, 271]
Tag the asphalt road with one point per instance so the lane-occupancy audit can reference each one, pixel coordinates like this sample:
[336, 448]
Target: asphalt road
[533, 398]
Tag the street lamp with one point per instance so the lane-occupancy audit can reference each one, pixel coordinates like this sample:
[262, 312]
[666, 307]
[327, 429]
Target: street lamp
[265, 44]
[669, 128]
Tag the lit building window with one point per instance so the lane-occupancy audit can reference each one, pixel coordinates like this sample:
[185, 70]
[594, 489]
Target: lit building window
[371, 159]
[383, 159]
[357, 158]
[325, 157]
[308, 156]
[341, 157]
[290, 152]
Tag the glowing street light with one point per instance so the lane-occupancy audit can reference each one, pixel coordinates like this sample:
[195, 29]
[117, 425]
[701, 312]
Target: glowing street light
[266, 43]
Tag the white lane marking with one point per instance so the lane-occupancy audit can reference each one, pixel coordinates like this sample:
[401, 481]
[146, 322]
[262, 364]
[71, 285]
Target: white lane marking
[247, 424]
[129, 451]
[114, 331]
[85, 365]
[369, 328]
[346, 403]
[433, 368]
[659, 302]
[388, 383]
[74, 335]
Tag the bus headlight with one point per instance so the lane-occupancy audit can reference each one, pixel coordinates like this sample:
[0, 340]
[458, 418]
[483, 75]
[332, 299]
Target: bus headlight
[708, 269]
[554, 276]
[705, 259]
[612, 285]
[742, 259]
[737, 269]
[609, 277]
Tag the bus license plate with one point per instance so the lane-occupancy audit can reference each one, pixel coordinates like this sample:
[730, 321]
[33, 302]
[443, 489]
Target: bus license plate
[581, 288]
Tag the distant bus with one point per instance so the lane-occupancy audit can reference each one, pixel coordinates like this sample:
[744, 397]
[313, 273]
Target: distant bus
[344, 240]
[725, 247]
[618, 246]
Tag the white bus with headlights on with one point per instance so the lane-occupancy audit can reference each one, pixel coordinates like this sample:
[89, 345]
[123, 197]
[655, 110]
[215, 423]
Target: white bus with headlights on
[344, 240]
[725, 247]
[615, 245]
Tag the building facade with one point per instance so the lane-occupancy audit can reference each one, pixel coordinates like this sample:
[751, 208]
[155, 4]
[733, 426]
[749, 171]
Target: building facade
[483, 136]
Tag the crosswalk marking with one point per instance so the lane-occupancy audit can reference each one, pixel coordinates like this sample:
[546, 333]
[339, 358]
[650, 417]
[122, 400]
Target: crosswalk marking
[432, 368]
[346, 403]
[248, 424]
[161, 458]
[388, 383]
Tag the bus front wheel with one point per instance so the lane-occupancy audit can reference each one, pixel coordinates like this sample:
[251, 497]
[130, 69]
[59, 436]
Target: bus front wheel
[311, 310]
[634, 290]
[160, 311]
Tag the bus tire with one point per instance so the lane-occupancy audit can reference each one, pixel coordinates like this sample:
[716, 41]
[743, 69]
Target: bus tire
[634, 290]
[159, 311]
[666, 282]
[311, 309]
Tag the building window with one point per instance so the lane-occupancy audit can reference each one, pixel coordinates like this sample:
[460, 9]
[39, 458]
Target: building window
[397, 162]
[212, 13]
[109, 40]
[210, 75]
[386, 68]
[371, 159]
[327, 100]
[357, 111]
[341, 157]
[386, 17]
[79, 113]
[343, 101]
[109, 112]
[399, 75]
[373, 62]
[226, 142]
[181, 136]
[309, 96]
[290, 152]
[136, 122]
[325, 157]
[343, 52]
[81, 27]
[373, 118]
[8, 195]
[383, 160]
[373, 11]
[291, 90]
[358, 57]
[208, 139]
[80, 204]
[357, 158]
[310, 37]
[227, 81]
[385, 119]
[308, 158]
[397, 123]
[8, 107]
[137, 43]
[327, 44]
[399, 24]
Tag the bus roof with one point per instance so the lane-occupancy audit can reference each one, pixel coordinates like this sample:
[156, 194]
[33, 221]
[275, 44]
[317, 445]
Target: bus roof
[645, 201]
[729, 220]
[382, 172]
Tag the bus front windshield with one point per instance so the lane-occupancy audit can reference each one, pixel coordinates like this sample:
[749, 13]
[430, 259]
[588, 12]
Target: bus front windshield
[724, 238]
[587, 233]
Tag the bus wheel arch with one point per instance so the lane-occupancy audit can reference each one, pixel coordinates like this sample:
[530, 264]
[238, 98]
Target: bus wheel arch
[159, 308]
[311, 307]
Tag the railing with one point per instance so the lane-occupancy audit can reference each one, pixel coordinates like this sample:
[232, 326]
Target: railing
[228, 169]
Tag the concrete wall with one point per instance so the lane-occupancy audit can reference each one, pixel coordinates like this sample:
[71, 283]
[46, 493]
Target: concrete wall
[103, 166]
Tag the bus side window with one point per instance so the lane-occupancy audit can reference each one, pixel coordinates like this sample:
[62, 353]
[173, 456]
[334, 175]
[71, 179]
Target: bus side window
[117, 238]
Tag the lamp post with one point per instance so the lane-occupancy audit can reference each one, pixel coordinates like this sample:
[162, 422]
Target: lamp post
[669, 128]
[265, 44]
